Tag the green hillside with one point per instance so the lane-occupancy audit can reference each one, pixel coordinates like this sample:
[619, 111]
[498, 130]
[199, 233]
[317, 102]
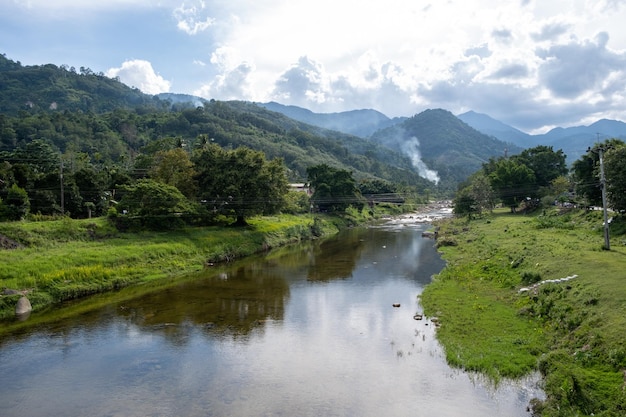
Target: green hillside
[48, 87]
[446, 144]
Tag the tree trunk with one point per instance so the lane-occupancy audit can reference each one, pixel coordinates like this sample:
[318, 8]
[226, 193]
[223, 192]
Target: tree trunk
[241, 221]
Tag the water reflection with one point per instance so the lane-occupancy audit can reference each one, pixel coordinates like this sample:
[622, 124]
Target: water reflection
[307, 330]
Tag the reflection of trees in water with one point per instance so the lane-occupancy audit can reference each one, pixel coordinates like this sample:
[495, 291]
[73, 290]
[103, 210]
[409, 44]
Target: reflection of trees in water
[335, 258]
[233, 302]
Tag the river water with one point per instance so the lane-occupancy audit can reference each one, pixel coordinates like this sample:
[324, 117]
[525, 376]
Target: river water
[308, 330]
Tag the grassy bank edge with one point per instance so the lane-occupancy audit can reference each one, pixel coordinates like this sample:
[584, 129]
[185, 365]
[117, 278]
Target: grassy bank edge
[572, 332]
[68, 259]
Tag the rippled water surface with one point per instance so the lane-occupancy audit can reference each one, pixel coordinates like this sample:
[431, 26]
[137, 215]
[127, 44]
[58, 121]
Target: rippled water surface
[309, 330]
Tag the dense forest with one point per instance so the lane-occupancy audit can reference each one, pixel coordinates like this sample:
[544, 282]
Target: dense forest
[72, 140]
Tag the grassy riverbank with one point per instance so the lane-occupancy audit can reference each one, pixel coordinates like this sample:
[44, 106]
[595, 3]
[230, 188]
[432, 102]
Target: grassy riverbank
[573, 332]
[66, 259]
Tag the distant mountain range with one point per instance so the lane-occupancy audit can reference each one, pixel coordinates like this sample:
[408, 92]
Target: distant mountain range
[360, 123]
[442, 147]
[574, 141]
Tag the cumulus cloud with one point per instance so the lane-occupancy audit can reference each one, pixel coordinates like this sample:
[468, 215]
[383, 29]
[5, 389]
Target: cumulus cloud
[302, 83]
[140, 74]
[570, 70]
[528, 63]
[232, 84]
[550, 31]
[481, 51]
[502, 35]
[512, 70]
[192, 19]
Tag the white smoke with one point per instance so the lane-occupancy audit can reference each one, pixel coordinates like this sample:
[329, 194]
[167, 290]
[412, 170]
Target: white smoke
[411, 147]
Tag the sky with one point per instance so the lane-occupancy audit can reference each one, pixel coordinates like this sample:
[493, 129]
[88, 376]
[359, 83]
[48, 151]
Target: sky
[533, 64]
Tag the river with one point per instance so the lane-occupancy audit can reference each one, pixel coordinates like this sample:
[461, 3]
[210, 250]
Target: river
[308, 330]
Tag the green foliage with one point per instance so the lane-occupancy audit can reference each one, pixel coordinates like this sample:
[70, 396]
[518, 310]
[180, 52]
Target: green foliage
[239, 181]
[68, 258]
[153, 205]
[512, 181]
[174, 167]
[48, 87]
[586, 172]
[615, 172]
[296, 202]
[16, 204]
[554, 219]
[334, 189]
[545, 163]
[446, 144]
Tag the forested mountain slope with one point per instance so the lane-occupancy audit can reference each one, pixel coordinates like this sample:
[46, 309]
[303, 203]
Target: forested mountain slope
[444, 144]
[113, 125]
[48, 87]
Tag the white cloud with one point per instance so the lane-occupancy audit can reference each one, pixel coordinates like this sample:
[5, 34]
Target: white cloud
[191, 19]
[531, 63]
[140, 74]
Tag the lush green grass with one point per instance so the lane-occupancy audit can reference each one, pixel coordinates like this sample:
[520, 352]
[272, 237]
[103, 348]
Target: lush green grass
[574, 332]
[66, 259]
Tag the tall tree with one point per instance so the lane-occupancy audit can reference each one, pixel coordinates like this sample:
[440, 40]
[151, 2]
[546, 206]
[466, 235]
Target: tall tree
[334, 189]
[173, 167]
[240, 181]
[477, 195]
[615, 173]
[512, 181]
[545, 163]
[154, 204]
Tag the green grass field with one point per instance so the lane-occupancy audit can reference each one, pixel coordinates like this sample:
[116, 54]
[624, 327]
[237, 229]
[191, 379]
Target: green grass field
[574, 332]
[68, 259]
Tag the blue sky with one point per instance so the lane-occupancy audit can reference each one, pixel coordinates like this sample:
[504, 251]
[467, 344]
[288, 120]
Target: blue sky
[534, 64]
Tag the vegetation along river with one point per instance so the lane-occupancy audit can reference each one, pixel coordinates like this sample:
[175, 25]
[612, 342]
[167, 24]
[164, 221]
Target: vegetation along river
[308, 330]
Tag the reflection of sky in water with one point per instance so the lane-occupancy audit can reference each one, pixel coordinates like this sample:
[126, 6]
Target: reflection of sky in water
[341, 349]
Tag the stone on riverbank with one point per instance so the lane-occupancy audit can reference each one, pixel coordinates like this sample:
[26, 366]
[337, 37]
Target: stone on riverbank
[23, 306]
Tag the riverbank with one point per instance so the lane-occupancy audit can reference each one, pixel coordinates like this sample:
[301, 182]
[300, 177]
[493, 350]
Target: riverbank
[522, 293]
[59, 260]
[54, 261]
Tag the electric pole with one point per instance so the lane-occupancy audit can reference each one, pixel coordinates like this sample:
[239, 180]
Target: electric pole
[62, 191]
[607, 243]
[601, 149]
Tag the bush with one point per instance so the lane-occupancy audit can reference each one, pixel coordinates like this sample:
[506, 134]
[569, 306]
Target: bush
[529, 278]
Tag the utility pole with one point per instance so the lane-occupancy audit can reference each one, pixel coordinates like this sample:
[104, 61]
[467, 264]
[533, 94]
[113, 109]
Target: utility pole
[607, 242]
[62, 192]
[601, 149]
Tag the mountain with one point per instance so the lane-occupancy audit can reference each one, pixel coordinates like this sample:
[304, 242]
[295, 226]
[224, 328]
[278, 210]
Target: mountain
[495, 128]
[355, 122]
[443, 146]
[48, 87]
[574, 141]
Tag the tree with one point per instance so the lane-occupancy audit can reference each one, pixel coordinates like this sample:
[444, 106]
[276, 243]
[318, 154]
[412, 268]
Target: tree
[240, 182]
[334, 189]
[545, 163]
[615, 174]
[586, 172]
[16, 205]
[173, 167]
[512, 181]
[155, 205]
[476, 196]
